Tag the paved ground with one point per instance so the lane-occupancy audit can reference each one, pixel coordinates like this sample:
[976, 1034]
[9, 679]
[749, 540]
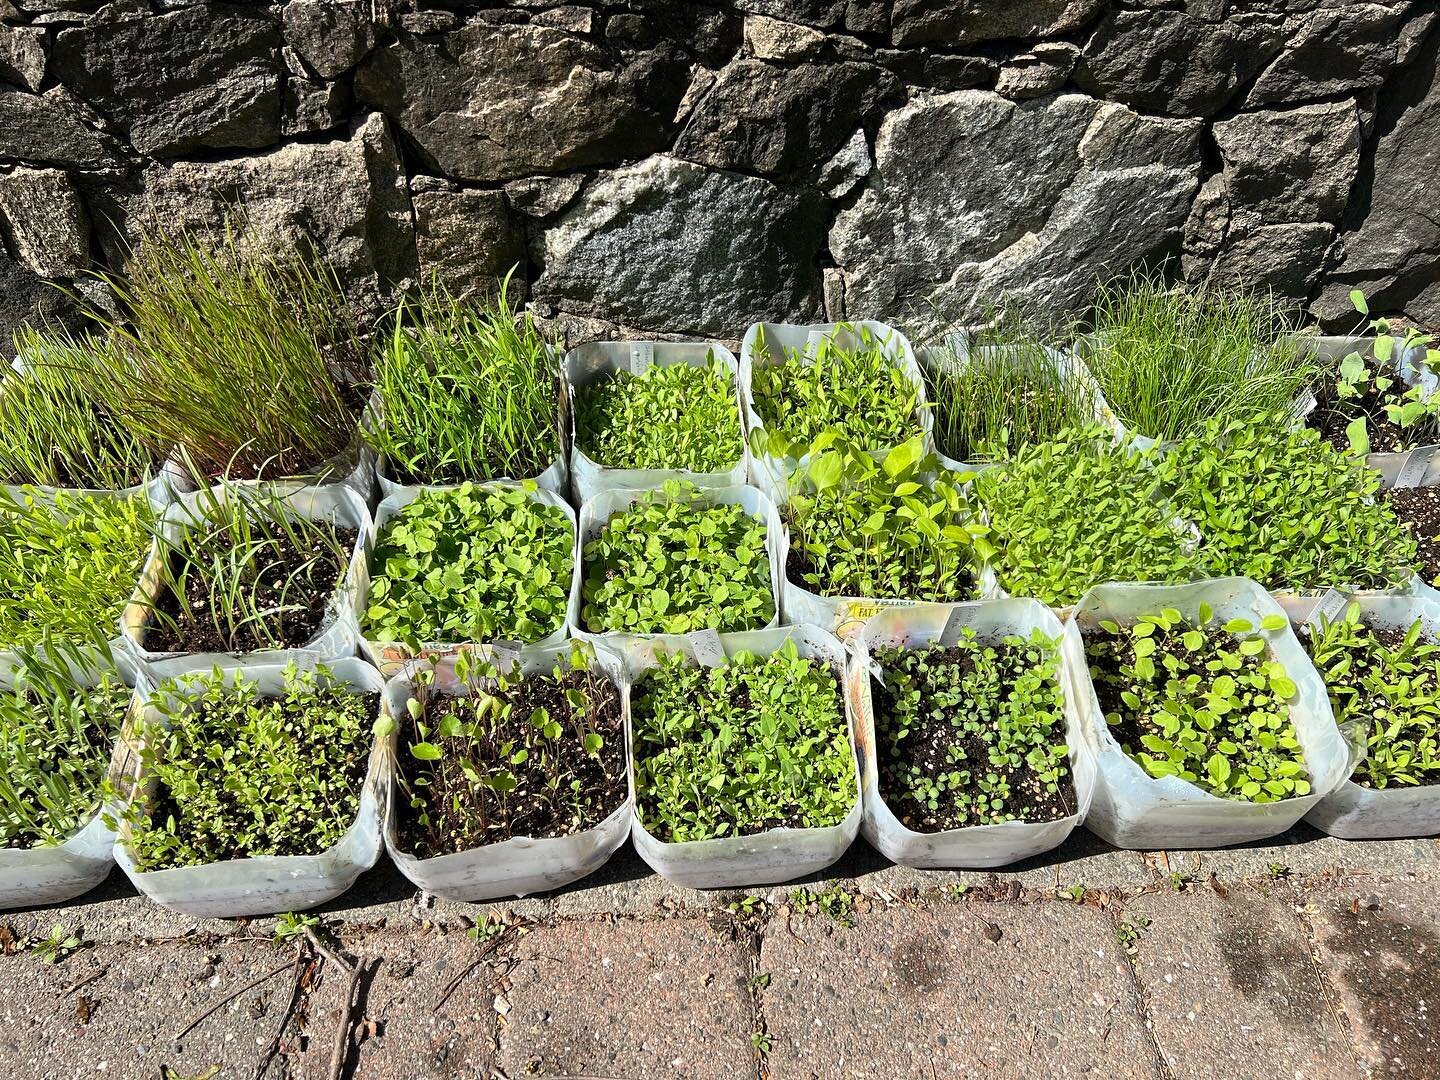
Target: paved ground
[1307, 958]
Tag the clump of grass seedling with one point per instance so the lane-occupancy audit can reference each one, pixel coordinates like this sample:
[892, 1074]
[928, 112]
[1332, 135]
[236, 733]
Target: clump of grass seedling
[294, 765]
[55, 428]
[885, 529]
[1000, 391]
[238, 359]
[671, 417]
[56, 732]
[68, 568]
[244, 572]
[537, 755]
[758, 743]
[1167, 359]
[848, 384]
[1385, 684]
[467, 392]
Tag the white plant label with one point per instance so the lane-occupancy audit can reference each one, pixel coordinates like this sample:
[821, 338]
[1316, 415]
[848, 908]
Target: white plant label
[1328, 608]
[1417, 462]
[642, 355]
[706, 648]
[951, 632]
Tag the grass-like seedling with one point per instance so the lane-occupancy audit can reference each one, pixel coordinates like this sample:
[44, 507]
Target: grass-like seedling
[972, 733]
[758, 743]
[240, 775]
[674, 417]
[1003, 393]
[243, 572]
[1364, 406]
[1279, 505]
[68, 569]
[471, 564]
[237, 359]
[1201, 702]
[673, 563]
[884, 529]
[467, 392]
[55, 740]
[538, 755]
[1077, 511]
[1385, 685]
[1169, 359]
[55, 428]
[848, 385]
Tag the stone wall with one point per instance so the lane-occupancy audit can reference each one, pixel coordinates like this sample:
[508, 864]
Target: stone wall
[684, 167]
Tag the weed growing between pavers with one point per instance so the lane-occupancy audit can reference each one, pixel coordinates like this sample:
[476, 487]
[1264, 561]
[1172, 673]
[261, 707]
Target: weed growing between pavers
[68, 568]
[1200, 702]
[471, 564]
[1385, 684]
[1077, 511]
[245, 574]
[851, 388]
[55, 740]
[539, 755]
[892, 528]
[673, 563]
[1279, 505]
[55, 429]
[671, 417]
[466, 392]
[758, 743]
[240, 775]
[972, 733]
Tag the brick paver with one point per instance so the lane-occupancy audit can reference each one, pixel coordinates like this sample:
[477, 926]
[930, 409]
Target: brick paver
[927, 993]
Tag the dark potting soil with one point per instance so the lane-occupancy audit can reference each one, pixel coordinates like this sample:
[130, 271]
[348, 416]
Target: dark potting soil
[465, 816]
[1420, 509]
[296, 607]
[928, 747]
[1331, 415]
[797, 565]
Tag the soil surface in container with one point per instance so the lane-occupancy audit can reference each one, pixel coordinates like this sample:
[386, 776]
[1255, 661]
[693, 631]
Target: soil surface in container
[928, 748]
[797, 566]
[1420, 509]
[297, 603]
[1331, 415]
[464, 816]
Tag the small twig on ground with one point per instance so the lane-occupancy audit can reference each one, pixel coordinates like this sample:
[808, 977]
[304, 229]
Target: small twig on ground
[487, 951]
[347, 1013]
[86, 981]
[302, 959]
[207, 1013]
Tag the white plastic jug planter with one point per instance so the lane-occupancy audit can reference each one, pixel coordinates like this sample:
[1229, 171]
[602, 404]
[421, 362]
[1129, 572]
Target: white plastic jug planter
[271, 884]
[977, 845]
[763, 858]
[521, 865]
[771, 474]
[587, 364]
[339, 633]
[596, 514]
[353, 469]
[1357, 811]
[36, 876]
[391, 656]
[1133, 810]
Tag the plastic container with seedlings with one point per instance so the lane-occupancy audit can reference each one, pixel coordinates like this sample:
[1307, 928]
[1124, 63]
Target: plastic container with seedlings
[1415, 467]
[597, 361]
[1132, 809]
[957, 353]
[596, 514]
[265, 884]
[352, 469]
[520, 865]
[338, 632]
[941, 625]
[763, 858]
[391, 656]
[1361, 811]
[772, 344]
[53, 873]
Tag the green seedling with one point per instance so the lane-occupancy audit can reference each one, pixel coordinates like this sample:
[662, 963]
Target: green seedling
[835, 903]
[60, 944]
